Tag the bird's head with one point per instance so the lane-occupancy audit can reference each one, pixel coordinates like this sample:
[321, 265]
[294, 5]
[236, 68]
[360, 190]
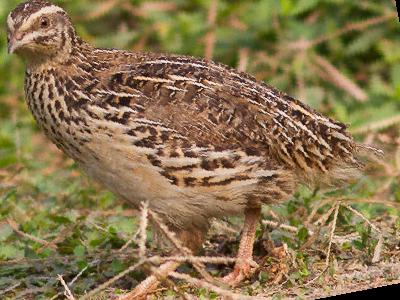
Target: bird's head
[39, 30]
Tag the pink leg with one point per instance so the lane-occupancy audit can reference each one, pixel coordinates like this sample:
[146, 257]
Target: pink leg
[243, 267]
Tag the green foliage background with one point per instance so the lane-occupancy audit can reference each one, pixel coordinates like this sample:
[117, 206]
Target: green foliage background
[340, 56]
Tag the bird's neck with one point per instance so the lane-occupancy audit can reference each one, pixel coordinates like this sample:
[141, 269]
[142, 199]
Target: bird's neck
[37, 62]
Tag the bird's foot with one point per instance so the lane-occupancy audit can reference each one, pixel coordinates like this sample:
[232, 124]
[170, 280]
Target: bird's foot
[241, 271]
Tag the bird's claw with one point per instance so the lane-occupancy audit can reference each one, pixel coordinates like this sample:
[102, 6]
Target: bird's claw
[241, 271]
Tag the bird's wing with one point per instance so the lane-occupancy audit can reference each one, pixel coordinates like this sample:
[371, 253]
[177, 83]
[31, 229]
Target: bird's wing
[216, 107]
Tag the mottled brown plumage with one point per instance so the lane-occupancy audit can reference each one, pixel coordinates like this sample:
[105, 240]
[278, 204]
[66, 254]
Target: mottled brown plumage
[194, 138]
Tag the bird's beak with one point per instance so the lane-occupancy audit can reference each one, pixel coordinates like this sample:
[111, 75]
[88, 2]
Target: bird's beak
[14, 42]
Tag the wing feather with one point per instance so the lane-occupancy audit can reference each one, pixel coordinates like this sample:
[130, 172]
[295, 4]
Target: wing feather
[219, 108]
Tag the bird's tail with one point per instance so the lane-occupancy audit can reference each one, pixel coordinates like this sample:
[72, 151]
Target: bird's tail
[369, 151]
[345, 170]
[352, 168]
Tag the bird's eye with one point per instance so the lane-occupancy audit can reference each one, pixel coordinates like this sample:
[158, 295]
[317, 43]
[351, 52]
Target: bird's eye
[44, 22]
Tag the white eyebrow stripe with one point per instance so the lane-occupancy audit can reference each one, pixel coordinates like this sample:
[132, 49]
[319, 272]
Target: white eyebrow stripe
[44, 11]
[31, 36]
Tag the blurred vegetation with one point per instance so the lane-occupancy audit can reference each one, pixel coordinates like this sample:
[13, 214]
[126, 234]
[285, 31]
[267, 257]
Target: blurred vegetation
[340, 56]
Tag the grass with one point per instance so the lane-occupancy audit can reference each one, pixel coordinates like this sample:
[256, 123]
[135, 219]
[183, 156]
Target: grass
[54, 221]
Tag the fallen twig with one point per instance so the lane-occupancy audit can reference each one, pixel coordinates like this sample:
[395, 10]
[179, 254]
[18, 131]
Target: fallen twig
[334, 221]
[377, 125]
[14, 226]
[9, 289]
[331, 74]
[220, 291]
[112, 280]
[359, 26]
[378, 248]
[67, 292]
[283, 226]
[130, 241]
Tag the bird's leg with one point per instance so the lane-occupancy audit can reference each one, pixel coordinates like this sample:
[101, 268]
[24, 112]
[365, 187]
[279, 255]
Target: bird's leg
[244, 266]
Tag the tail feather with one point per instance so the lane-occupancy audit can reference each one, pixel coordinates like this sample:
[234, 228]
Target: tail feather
[344, 170]
[362, 155]
[368, 151]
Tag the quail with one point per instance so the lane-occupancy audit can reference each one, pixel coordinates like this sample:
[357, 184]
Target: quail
[193, 138]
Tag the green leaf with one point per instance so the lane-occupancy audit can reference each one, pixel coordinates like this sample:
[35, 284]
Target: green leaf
[363, 42]
[5, 232]
[303, 6]
[79, 251]
[117, 266]
[346, 246]
[302, 234]
[263, 276]
[358, 244]
[8, 251]
[286, 6]
[395, 74]
[60, 219]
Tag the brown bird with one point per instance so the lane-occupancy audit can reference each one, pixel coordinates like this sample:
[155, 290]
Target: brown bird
[193, 138]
